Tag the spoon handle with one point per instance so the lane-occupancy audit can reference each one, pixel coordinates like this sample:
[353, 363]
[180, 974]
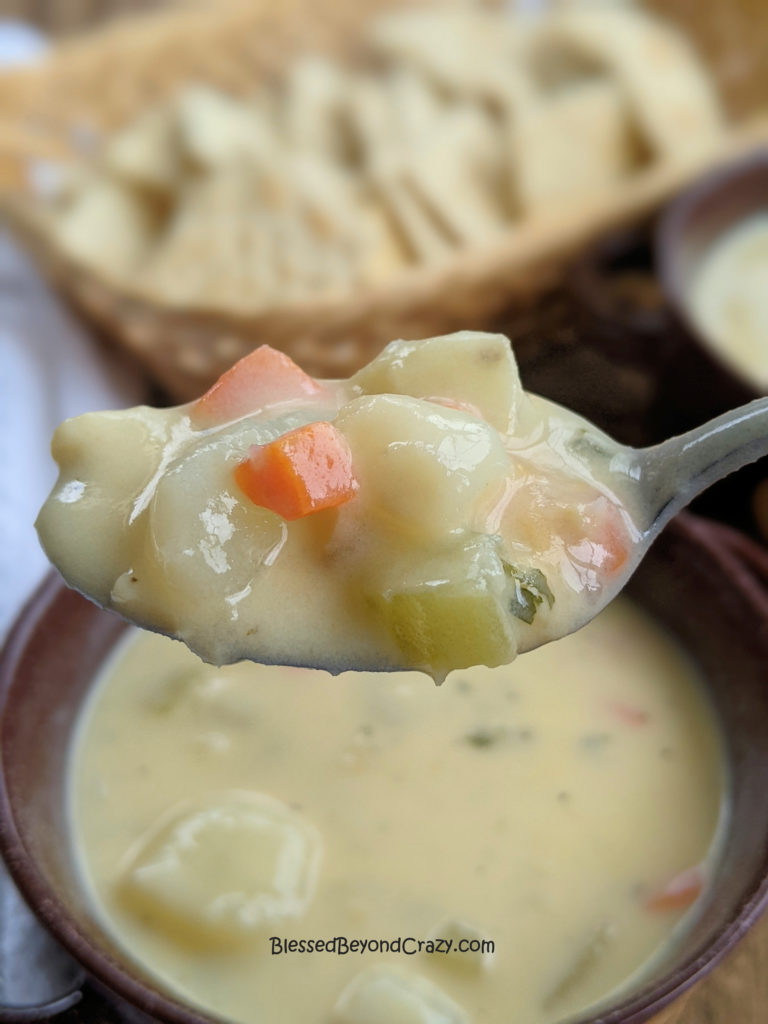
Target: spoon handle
[677, 470]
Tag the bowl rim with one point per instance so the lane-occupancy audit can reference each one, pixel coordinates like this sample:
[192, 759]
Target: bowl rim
[670, 229]
[747, 565]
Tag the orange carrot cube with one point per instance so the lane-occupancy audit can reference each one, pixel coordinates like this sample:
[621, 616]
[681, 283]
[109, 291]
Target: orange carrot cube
[304, 471]
[680, 892]
[263, 378]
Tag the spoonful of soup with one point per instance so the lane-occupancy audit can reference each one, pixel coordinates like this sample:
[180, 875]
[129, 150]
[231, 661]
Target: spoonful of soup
[425, 513]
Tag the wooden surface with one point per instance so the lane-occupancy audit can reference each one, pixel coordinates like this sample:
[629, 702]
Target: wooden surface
[736, 992]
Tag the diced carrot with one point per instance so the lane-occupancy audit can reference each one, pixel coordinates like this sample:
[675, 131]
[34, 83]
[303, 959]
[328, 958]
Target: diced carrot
[628, 714]
[542, 511]
[603, 544]
[679, 892]
[454, 403]
[614, 538]
[263, 378]
[304, 471]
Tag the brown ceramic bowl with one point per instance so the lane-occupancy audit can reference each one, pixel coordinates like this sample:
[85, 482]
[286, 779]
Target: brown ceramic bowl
[628, 307]
[686, 232]
[704, 581]
[703, 379]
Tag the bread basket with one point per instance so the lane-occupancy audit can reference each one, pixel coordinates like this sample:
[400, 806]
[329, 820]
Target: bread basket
[94, 83]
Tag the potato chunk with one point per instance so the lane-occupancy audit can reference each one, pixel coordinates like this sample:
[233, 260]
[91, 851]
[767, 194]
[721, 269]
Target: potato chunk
[388, 995]
[106, 460]
[223, 868]
[205, 538]
[474, 370]
[471, 956]
[420, 466]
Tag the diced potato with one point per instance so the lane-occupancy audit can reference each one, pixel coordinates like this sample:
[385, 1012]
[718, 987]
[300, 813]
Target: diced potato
[99, 456]
[451, 612]
[207, 538]
[389, 995]
[421, 467]
[457, 931]
[468, 367]
[224, 868]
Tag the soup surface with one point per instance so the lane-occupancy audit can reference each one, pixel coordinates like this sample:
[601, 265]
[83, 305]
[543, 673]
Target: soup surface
[729, 298]
[564, 809]
[426, 514]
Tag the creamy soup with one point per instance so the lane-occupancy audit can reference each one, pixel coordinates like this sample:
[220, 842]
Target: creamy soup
[426, 513]
[543, 830]
[729, 298]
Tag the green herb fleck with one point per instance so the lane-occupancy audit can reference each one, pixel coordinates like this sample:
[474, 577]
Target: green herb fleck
[530, 590]
[595, 740]
[481, 738]
[488, 736]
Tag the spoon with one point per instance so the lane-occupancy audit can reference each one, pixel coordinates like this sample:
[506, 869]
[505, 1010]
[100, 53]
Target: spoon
[676, 471]
[456, 543]
[668, 476]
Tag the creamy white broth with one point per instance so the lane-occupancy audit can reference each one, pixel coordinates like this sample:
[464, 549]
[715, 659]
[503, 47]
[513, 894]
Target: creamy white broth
[543, 806]
[728, 297]
[483, 520]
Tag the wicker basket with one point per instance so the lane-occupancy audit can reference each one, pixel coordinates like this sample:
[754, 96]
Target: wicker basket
[95, 83]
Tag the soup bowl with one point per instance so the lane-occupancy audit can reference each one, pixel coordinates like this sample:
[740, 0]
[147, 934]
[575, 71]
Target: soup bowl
[689, 228]
[691, 225]
[629, 299]
[706, 583]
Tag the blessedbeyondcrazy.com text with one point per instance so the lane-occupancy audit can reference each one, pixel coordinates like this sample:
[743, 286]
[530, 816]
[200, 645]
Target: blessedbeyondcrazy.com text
[340, 945]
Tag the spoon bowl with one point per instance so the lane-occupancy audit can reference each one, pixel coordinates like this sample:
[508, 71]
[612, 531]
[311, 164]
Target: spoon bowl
[425, 514]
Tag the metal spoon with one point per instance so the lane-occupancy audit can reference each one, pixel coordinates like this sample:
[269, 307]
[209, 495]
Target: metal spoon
[673, 473]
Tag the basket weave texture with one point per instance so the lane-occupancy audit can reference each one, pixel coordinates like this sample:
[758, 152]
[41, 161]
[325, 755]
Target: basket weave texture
[99, 81]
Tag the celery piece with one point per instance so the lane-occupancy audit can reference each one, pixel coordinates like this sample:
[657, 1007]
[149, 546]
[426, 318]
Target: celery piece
[443, 627]
[585, 959]
[451, 610]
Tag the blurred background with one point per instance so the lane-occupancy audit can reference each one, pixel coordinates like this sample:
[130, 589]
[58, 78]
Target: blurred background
[59, 17]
